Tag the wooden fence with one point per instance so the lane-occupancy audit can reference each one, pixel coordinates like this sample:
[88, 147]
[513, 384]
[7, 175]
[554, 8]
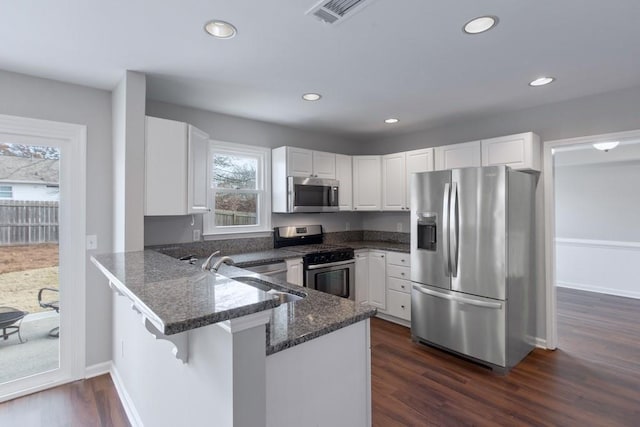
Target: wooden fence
[26, 222]
[234, 218]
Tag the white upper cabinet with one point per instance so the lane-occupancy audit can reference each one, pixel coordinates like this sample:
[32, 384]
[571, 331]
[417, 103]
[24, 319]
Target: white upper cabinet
[176, 157]
[344, 174]
[367, 173]
[306, 163]
[467, 154]
[394, 188]
[521, 151]
[299, 161]
[417, 161]
[324, 165]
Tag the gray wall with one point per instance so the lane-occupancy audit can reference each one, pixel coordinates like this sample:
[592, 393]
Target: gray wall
[162, 230]
[26, 96]
[591, 115]
[598, 201]
[227, 128]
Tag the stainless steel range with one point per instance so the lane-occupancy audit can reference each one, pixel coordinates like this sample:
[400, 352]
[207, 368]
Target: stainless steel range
[327, 268]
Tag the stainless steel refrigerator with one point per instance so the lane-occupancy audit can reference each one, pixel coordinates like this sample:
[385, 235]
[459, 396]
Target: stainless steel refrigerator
[472, 262]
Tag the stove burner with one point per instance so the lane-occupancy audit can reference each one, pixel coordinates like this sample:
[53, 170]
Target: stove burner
[307, 241]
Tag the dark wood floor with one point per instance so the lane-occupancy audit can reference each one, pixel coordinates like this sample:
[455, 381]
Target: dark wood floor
[88, 403]
[593, 379]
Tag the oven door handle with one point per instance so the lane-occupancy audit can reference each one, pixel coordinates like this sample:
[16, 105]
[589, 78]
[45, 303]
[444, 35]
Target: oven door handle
[331, 264]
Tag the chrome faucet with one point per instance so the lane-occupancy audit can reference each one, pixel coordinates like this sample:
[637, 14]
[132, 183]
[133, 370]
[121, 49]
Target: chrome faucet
[223, 260]
[207, 264]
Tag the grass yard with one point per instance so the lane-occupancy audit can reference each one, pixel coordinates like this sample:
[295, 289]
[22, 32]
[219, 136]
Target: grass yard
[23, 271]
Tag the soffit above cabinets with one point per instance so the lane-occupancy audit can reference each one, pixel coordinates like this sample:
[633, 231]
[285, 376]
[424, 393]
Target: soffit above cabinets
[409, 59]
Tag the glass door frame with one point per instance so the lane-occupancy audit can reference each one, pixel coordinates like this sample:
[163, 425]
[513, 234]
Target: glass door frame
[71, 139]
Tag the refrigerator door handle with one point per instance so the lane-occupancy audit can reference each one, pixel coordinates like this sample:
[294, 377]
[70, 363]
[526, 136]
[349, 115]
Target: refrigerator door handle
[458, 299]
[445, 229]
[453, 230]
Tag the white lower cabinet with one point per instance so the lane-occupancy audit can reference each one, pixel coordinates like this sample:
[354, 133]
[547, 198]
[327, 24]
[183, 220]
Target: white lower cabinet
[398, 286]
[362, 276]
[399, 304]
[377, 282]
[383, 281]
[370, 278]
[294, 271]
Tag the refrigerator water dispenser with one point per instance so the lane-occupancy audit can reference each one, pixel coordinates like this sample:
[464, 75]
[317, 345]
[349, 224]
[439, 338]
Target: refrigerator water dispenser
[427, 231]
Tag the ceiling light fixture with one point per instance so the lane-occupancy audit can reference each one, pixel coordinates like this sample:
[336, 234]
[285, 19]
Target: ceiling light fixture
[391, 121]
[606, 146]
[542, 81]
[220, 29]
[311, 96]
[480, 24]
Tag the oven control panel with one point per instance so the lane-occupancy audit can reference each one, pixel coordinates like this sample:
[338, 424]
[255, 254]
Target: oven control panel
[328, 257]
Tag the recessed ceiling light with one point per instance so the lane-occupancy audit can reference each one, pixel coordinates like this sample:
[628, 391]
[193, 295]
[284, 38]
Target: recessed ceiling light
[606, 146]
[480, 24]
[542, 81]
[391, 121]
[311, 96]
[220, 29]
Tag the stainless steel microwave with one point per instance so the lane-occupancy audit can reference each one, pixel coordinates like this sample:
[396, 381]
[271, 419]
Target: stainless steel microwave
[312, 194]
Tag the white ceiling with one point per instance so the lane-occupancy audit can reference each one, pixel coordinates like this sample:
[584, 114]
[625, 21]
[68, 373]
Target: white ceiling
[407, 59]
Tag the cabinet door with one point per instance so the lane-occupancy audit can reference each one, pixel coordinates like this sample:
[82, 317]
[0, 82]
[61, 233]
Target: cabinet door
[362, 277]
[366, 183]
[166, 168]
[294, 271]
[394, 182]
[197, 175]
[344, 174]
[417, 161]
[324, 165]
[455, 156]
[521, 151]
[377, 280]
[299, 162]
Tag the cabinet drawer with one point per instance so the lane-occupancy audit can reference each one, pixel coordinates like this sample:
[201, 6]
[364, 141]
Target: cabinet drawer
[399, 285]
[399, 304]
[399, 272]
[399, 258]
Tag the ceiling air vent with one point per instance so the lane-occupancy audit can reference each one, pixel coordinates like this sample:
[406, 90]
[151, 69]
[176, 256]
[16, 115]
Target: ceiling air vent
[334, 11]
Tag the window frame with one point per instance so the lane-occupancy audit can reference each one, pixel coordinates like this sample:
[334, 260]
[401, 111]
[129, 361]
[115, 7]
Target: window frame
[263, 190]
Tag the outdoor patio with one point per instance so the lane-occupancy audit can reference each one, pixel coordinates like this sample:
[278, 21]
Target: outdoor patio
[40, 352]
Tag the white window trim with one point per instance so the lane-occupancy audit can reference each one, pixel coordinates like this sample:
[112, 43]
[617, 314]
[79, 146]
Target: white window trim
[264, 200]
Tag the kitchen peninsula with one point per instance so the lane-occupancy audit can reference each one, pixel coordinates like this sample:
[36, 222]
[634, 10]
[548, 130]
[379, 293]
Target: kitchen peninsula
[200, 348]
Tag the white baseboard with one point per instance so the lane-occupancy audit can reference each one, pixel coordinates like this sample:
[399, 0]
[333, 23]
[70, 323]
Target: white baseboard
[97, 369]
[598, 289]
[394, 319]
[127, 403]
[541, 343]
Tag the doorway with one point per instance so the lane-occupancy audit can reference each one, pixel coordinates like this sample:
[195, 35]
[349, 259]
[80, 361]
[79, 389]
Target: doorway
[42, 228]
[591, 210]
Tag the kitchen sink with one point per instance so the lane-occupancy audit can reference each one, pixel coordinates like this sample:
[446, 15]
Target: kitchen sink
[281, 295]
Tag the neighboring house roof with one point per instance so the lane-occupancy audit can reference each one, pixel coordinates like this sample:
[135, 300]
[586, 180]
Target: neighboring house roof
[29, 170]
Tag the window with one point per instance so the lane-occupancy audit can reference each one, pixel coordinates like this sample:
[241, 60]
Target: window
[239, 190]
[6, 192]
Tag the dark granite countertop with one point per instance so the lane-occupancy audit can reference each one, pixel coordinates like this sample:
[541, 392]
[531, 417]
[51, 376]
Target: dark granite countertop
[176, 296]
[263, 257]
[300, 321]
[383, 246]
